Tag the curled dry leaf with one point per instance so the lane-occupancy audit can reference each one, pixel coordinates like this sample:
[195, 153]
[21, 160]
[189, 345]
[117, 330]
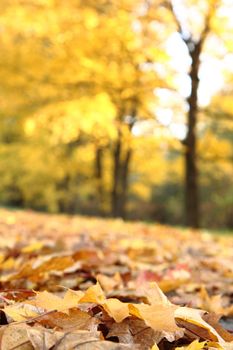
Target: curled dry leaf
[192, 320]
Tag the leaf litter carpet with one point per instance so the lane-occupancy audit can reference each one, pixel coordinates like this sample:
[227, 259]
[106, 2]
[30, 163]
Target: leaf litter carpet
[84, 283]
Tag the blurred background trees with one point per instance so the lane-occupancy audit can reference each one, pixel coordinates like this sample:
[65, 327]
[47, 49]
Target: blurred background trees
[118, 108]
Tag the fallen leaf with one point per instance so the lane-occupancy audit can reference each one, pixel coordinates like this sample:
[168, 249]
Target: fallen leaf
[21, 311]
[159, 317]
[94, 294]
[75, 320]
[49, 301]
[193, 317]
[213, 320]
[14, 336]
[46, 339]
[116, 309]
[107, 283]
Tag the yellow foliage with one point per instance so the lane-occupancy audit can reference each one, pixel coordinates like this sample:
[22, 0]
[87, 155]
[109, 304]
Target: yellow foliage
[212, 147]
[77, 74]
[66, 120]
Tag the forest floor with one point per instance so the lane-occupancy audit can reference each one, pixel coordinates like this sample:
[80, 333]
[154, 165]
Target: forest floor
[71, 282]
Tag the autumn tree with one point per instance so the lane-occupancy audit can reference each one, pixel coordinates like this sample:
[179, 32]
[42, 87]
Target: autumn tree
[69, 71]
[79, 81]
[194, 35]
[133, 77]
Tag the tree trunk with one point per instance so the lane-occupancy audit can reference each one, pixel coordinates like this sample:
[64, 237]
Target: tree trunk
[191, 172]
[192, 214]
[122, 155]
[125, 181]
[120, 179]
[99, 178]
[116, 177]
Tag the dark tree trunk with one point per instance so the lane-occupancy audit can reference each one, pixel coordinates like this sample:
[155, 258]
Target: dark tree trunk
[191, 171]
[125, 181]
[120, 179]
[122, 156]
[192, 214]
[116, 208]
[99, 178]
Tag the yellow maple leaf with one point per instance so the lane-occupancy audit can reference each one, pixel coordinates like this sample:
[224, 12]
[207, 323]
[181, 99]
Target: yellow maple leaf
[159, 317]
[21, 312]
[49, 301]
[116, 309]
[94, 294]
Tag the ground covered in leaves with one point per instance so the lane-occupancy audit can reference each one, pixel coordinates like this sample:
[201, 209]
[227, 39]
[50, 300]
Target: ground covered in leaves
[80, 283]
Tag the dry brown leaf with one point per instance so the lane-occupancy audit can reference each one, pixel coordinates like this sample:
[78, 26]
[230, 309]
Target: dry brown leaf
[75, 320]
[104, 345]
[15, 337]
[46, 339]
[134, 331]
